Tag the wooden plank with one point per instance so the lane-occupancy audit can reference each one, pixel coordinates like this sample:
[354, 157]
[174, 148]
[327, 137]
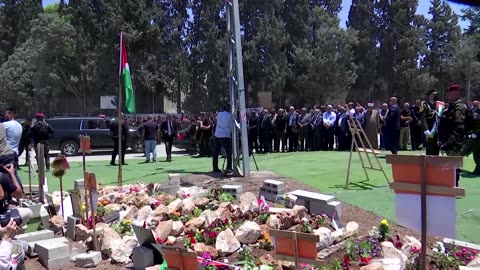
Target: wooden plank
[308, 237]
[371, 151]
[456, 162]
[449, 191]
[281, 233]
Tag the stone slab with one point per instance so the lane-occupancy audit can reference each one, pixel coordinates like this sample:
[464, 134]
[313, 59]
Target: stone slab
[88, 260]
[71, 222]
[51, 249]
[35, 236]
[142, 258]
[452, 242]
[233, 189]
[335, 207]
[273, 184]
[312, 195]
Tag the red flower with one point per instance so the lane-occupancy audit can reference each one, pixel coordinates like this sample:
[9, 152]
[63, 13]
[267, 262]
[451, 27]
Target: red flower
[192, 240]
[160, 241]
[145, 224]
[365, 260]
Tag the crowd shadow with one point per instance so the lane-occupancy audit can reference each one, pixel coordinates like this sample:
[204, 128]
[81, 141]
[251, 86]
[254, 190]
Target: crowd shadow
[358, 186]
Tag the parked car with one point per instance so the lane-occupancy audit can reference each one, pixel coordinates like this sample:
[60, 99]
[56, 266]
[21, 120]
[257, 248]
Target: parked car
[67, 131]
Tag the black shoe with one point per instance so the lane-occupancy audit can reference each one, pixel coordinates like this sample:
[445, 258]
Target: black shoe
[125, 164]
[148, 161]
[47, 169]
[228, 172]
[113, 164]
[154, 160]
[216, 171]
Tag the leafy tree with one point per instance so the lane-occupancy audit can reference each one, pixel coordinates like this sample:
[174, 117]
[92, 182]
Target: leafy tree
[361, 18]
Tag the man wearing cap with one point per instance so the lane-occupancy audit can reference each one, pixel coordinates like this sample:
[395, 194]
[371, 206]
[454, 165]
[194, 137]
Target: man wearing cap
[452, 132]
[428, 116]
[41, 131]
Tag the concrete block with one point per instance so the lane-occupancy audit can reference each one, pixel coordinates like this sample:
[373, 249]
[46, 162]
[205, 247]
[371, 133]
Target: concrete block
[48, 251]
[171, 190]
[35, 236]
[35, 207]
[142, 258]
[45, 218]
[57, 263]
[274, 185]
[26, 189]
[79, 184]
[334, 207]
[449, 243]
[87, 260]
[271, 195]
[31, 245]
[308, 195]
[233, 189]
[71, 222]
[174, 177]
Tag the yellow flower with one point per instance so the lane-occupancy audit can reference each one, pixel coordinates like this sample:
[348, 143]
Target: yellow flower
[127, 221]
[84, 207]
[384, 222]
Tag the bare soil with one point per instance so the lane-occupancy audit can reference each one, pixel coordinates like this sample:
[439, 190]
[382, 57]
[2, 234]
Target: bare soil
[365, 219]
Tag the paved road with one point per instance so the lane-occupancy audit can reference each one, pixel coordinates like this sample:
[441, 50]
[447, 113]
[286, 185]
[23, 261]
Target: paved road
[100, 155]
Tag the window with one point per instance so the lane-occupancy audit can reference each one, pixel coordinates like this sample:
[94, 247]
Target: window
[93, 124]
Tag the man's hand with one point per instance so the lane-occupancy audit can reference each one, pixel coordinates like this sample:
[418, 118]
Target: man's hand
[9, 231]
[10, 168]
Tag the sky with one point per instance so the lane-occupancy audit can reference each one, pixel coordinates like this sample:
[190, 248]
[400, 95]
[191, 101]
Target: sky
[423, 6]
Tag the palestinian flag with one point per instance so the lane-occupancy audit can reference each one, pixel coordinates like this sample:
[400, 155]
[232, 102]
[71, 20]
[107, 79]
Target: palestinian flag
[126, 78]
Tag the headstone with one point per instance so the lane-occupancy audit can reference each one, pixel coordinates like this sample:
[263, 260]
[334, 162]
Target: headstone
[44, 217]
[76, 203]
[144, 236]
[111, 217]
[143, 257]
[71, 222]
[51, 205]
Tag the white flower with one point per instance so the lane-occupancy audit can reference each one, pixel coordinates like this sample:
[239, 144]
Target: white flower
[435, 250]
[305, 219]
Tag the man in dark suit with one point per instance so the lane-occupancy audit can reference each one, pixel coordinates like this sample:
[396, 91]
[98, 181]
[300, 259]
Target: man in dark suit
[392, 127]
[169, 132]
[253, 132]
[266, 128]
[304, 121]
[114, 132]
[280, 124]
[317, 124]
[292, 131]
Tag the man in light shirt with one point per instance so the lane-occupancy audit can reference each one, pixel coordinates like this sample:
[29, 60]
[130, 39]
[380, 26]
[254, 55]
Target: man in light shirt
[14, 131]
[329, 118]
[223, 138]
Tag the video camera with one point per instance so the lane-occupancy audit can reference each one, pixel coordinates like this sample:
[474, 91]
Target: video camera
[5, 219]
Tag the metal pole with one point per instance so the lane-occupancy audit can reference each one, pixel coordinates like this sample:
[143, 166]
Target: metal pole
[237, 89]
[119, 107]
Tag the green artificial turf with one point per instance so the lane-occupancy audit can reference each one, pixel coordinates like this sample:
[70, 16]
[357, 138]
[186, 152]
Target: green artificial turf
[324, 171]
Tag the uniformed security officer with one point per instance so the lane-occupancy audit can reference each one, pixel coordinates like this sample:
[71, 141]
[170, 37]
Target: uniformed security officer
[473, 144]
[452, 132]
[428, 115]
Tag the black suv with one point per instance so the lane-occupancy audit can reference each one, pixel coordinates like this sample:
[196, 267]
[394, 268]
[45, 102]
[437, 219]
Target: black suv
[67, 130]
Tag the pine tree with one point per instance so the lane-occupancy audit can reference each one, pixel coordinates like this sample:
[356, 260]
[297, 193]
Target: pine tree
[362, 19]
[443, 33]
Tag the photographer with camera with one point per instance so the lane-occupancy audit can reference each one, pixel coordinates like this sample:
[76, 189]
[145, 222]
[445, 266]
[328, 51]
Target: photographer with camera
[10, 187]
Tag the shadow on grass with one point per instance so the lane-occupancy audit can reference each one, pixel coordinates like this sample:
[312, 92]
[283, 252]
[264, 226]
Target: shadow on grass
[468, 175]
[358, 186]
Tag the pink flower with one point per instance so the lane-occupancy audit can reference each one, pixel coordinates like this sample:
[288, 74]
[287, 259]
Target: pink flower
[457, 254]
[464, 250]
[472, 258]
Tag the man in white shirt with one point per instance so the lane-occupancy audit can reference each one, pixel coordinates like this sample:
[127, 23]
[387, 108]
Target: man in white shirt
[14, 129]
[329, 118]
[223, 138]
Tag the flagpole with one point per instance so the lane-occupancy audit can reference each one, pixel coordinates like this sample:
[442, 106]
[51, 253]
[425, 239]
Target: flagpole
[120, 121]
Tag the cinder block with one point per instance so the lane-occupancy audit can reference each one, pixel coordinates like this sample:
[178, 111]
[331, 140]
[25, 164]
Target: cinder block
[274, 185]
[79, 184]
[45, 218]
[233, 189]
[35, 236]
[87, 260]
[50, 250]
[142, 258]
[35, 207]
[71, 222]
[271, 195]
